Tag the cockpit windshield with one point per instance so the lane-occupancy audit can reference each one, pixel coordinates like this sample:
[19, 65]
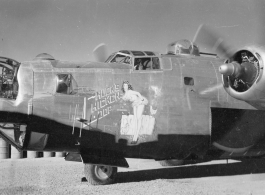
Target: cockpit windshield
[110, 57]
[119, 58]
[8, 78]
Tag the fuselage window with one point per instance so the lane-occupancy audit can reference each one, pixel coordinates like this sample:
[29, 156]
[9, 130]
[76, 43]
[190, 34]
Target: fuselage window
[65, 84]
[188, 81]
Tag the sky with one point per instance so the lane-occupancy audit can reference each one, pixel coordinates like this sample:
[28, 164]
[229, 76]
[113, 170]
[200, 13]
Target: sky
[71, 29]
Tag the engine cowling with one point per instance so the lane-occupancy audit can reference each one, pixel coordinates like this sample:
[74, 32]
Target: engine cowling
[243, 76]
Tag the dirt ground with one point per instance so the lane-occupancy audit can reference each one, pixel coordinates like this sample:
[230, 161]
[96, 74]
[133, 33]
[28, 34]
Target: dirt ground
[56, 176]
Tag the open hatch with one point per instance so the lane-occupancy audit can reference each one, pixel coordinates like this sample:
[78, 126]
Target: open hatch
[8, 78]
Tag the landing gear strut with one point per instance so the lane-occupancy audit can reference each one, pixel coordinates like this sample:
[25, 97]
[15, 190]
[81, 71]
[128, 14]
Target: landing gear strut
[100, 174]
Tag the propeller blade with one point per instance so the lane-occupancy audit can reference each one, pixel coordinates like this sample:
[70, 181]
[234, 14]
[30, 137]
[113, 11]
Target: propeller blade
[260, 19]
[100, 53]
[208, 37]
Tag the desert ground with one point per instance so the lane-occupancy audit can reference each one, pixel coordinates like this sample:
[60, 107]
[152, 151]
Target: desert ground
[57, 176]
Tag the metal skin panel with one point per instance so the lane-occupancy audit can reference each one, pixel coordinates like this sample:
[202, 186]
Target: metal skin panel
[222, 94]
[196, 96]
[96, 119]
[171, 111]
[44, 89]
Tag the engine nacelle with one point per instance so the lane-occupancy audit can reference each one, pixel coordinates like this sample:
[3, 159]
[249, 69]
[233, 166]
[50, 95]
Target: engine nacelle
[243, 76]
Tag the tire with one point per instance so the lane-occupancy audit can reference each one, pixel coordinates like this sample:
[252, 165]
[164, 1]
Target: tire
[100, 174]
[167, 163]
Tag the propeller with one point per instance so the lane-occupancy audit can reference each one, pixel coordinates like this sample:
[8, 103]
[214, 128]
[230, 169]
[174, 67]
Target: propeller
[100, 53]
[245, 72]
[210, 38]
[260, 19]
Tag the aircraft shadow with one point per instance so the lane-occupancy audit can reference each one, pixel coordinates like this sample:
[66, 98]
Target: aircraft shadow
[194, 171]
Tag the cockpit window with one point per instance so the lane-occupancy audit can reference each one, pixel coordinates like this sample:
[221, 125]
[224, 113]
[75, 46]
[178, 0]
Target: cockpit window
[146, 63]
[155, 64]
[110, 57]
[121, 59]
[66, 84]
[150, 53]
[138, 53]
[126, 60]
[142, 63]
[125, 51]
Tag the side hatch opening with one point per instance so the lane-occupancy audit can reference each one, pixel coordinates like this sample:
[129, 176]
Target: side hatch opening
[8, 78]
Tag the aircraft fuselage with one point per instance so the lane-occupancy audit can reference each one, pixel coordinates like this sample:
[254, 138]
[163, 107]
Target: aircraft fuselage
[82, 108]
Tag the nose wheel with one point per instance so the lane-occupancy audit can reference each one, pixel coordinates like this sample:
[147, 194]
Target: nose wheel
[100, 174]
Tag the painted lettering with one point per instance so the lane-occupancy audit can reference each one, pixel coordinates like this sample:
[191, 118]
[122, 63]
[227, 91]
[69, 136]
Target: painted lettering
[117, 87]
[94, 107]
[103, 100]
[103, 103]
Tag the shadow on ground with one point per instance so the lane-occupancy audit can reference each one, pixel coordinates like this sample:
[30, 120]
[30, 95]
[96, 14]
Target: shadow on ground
[194, 171]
